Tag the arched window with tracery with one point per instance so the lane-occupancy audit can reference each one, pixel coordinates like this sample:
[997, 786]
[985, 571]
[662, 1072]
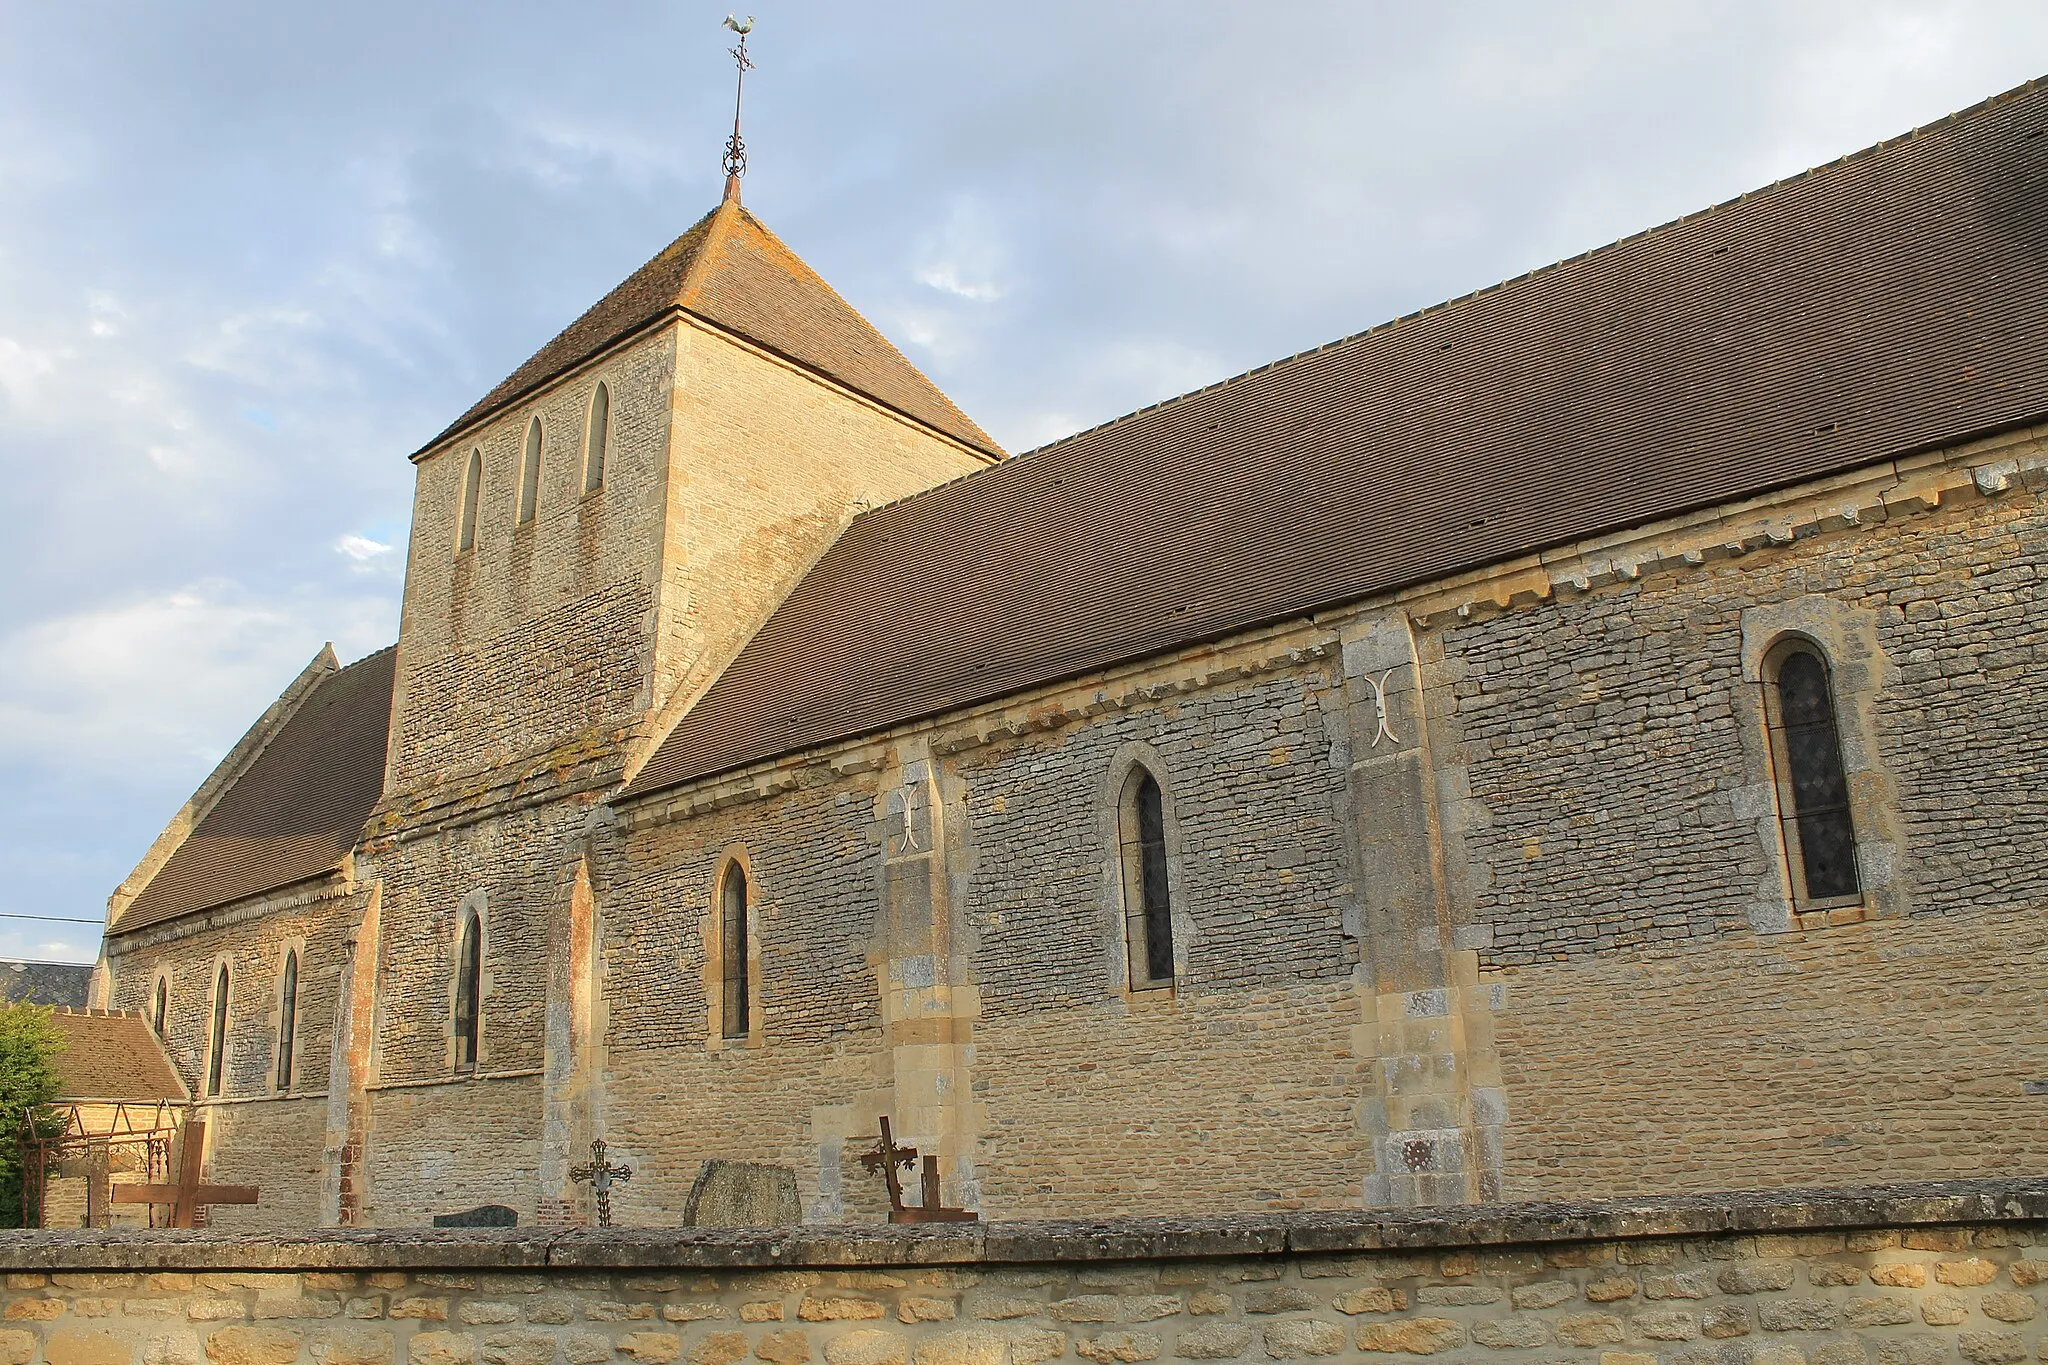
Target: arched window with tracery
[1148, 901]
[216, 1062]
[472, 493]
[160, 1008]
[469, 972]
[735, 995]
[287, 1019]
[597, 438]
[529, 473]
[1814, 807]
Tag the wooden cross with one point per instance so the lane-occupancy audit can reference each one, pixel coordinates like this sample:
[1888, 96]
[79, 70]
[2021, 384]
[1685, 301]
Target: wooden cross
[188, 1196]
[602, 1175]
[886, 1157]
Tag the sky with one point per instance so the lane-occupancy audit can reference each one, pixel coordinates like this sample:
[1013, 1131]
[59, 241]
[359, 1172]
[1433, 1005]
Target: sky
[251, 256]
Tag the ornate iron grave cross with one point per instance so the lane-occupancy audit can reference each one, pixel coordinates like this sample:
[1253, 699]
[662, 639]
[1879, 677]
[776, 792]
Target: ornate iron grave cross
[188, 1196]
[601, 1176]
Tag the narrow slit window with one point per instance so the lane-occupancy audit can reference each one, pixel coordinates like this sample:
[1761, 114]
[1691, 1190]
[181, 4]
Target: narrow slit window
[472, 491]
[160, 1013]
[1148, 905]
[216, 1062]
[529, 473]
[597, 439]
[468, 989]
[287, 1020]
[736, 1013]
[1813, 785]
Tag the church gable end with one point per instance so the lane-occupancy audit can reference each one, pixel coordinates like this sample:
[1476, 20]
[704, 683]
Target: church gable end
[294, 813]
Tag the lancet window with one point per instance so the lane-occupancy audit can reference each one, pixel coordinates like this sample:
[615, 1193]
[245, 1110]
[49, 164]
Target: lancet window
[216, 1061]
[469, 960]
[597, 438]
[1148, 904]
[1814, 806]
[735, 997]
[287, 1019]
[529, 473]
[472, 492]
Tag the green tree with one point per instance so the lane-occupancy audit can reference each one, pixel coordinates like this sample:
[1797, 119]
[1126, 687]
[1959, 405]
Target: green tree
[29, 1044]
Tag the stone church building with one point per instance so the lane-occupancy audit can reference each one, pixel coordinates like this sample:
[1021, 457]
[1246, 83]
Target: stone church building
[1588, 737]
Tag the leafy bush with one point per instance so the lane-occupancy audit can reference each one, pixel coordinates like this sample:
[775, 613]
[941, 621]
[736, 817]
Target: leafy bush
[29, 1044]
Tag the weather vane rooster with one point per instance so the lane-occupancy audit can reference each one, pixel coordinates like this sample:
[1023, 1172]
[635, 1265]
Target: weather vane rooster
[735, 146]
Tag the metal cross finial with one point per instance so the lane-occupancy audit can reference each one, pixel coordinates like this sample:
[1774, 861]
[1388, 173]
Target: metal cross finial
[735, 146]
[602, 1175]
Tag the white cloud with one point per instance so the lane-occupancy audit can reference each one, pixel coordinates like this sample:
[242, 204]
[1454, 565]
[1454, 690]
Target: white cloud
[361, 549]
[965, 254]
[166, 680]
[944, 276]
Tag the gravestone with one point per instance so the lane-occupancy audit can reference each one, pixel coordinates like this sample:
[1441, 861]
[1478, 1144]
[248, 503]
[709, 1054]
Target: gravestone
[743, 1194]
[483, 1216]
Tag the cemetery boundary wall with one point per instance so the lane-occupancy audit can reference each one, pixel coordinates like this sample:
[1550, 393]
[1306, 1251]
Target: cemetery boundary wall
[1950, 1273]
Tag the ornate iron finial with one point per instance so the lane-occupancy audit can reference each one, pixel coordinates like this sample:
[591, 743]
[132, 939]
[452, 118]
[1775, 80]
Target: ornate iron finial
[735, 146]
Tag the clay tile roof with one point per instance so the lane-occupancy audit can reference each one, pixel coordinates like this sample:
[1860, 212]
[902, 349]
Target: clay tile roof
[295, 813]
[732, 271]
[113, 1055]
[1886, 303]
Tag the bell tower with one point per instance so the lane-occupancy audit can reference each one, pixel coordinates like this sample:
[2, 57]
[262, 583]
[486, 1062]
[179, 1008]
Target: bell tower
[602, 531]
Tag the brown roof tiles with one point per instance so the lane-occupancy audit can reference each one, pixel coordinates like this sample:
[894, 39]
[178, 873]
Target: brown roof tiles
[732, 271]
[295, 813]
[113, 1056]
[1887, 303]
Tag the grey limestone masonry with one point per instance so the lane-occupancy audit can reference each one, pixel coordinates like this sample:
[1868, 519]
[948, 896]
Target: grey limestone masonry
[1259, 868]
[1605, 740]
[1933, 1275]
[544, 630]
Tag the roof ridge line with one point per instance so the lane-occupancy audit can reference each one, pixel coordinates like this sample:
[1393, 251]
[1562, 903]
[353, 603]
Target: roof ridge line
[715, 237]
[901, 354]
[1846, 158]
[716, 240]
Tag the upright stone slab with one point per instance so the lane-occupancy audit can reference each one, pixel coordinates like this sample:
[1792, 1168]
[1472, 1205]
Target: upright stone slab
[743, 1194]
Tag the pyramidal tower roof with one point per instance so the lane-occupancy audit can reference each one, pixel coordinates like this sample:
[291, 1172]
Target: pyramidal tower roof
[731, 271]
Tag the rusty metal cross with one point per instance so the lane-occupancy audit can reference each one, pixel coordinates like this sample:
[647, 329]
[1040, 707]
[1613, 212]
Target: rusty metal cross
[601, 1175]
[886, 1158]
[188, 1196]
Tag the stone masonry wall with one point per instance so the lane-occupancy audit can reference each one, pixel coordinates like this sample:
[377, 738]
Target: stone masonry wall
[1100, 1097]
[677, 1093]
[1912, 1278]
[257, 1134]
[545, 630]
[1886, 1050]
[1257, 846]
[1059, 1041]
[1605, 739]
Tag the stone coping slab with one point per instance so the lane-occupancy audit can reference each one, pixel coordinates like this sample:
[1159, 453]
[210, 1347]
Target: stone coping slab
[1919, 1204]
